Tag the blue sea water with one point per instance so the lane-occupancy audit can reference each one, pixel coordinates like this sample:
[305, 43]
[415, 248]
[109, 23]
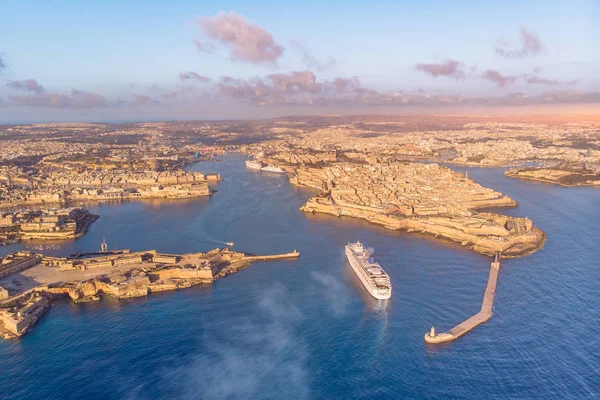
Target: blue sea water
[306, 329]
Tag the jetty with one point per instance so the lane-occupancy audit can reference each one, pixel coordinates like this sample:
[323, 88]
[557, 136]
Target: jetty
[483, 315]
[293, 254]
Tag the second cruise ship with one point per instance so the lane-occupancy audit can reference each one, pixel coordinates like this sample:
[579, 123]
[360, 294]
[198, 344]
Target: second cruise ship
[373, 277]
[254, 164]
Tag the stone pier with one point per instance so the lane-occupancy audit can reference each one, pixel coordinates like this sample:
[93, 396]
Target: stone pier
[483, 315]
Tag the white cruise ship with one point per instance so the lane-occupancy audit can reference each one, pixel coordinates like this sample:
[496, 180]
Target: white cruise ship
[373, 277]
[253, 164]
[270, 168]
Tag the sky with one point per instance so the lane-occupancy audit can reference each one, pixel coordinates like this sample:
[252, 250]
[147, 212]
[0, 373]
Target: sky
[156, 60]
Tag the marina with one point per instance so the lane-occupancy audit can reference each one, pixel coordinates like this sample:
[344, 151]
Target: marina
[313, 312]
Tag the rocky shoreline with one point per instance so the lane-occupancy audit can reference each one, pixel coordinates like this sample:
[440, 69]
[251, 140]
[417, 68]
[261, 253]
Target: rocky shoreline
[567, 177]
[122, 276]
[468, 231]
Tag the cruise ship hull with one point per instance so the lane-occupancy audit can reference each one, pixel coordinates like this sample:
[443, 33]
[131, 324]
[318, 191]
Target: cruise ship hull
[357, 265]
[273, 169]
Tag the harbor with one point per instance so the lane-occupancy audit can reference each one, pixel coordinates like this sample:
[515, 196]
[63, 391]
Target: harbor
[482, 316]
[318, 304]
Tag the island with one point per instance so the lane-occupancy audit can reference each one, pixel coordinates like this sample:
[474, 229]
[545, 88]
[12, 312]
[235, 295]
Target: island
[30, 281]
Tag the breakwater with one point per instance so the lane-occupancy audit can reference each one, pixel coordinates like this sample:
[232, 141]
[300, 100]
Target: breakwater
[293, 254]
[483, 315]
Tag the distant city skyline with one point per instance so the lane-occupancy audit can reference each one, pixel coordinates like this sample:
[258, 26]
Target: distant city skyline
[151, 60]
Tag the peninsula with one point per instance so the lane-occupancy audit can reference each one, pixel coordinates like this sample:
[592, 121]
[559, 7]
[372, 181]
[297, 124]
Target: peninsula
[415, 197]
[30, 281]
[563, 176]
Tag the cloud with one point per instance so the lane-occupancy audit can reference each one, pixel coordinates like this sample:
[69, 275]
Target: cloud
[247, 41]
[2, 65]
[569, 96]
[76, 99]
[537, 80]
[531, 79]
[246, 357]
[309, 60]
[275, 88]
[295, 82]
[531, 45]
[345, 84]
[499, 79]
[141, 98]
[450, 68]
[169, 95]
[28, 85]
[194, 76]
[551, 97]
[88, 99]
[204, 47]
[302, 88]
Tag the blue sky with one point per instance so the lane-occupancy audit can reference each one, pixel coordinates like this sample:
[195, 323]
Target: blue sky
[120, 49]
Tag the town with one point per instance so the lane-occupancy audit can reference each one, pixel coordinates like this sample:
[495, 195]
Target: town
[44, 224]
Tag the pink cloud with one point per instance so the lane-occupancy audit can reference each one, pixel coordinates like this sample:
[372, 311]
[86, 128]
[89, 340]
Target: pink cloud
[88, 99]
[537, 80]
[76, 99]
[141, 98]
[295, 82]
[193, 76]
[246, 40]
[531, 45]
[28, 85]
[499, 79]
[309, 59]
[449, 68]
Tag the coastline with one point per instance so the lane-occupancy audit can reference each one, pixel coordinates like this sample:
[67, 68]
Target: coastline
[482, 232]
[433, 227]
[522, 175]
[122, 276]
[99, 199]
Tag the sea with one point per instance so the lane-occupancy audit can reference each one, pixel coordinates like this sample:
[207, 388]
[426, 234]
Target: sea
[305, 328]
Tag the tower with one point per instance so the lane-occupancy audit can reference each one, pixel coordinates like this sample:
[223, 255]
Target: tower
[104, 246]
